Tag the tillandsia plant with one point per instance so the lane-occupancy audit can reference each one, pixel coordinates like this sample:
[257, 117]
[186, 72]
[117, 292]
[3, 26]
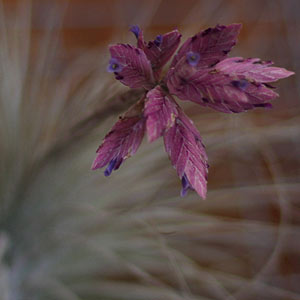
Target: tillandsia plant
[200, 72]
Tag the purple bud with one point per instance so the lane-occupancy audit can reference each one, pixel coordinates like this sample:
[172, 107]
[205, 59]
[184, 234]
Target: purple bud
[110, 167]
[158, 40]
[135, 30]
[114, 66]
[185, 185]
[241, 84]
[193, 58]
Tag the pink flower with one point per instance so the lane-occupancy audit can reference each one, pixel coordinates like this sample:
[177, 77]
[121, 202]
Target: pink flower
[200, 72]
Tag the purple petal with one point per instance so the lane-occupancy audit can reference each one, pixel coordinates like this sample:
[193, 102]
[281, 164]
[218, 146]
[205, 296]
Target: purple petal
[252, 69]
[160, 111]
[212, 45]
[121, 142]
[187, 154]
[185, 185]
[136, 69]
[110, 167]
[193, 58]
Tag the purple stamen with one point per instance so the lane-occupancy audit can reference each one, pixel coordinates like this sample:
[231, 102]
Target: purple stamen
[185, 185]
[241, 84]
[118, 163]
[158, 40]
[193, 58]
[114, 66]
[110, 167]
[135, 30]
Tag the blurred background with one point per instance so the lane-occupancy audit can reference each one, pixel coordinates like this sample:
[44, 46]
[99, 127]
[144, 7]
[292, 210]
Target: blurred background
[69, 233]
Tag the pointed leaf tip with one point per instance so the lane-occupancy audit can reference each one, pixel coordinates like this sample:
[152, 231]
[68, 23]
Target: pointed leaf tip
[252, 69]
[121, 142]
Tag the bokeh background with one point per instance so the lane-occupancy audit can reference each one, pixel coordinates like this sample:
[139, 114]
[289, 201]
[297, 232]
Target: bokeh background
[69, 233]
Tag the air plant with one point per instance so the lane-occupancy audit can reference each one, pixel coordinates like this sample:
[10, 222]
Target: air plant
[200, 72]
[67, 234]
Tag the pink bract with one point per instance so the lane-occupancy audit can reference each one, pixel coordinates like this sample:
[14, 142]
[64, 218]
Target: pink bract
[160, 112]
[200, 72]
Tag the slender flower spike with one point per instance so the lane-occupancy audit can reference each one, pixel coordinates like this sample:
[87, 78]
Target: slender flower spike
[200, 72]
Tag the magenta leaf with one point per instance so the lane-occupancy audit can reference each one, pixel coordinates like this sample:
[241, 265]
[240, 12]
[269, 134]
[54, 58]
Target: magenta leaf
[211, 88]
[187, 154]
[132, 66]
[252, 69]
[160, 112]
[212, 45]
[121, 142]
[161, 49]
